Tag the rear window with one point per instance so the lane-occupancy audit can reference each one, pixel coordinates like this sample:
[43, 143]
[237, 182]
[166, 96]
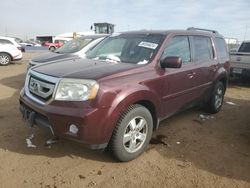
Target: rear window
[245, 47]
[222, 48]
[203, 50]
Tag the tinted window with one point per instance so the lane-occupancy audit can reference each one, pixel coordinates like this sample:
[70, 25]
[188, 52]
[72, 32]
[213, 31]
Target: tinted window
[4, 41]
[245, 47]
[179, 46]
[203, 50]
[221, 45]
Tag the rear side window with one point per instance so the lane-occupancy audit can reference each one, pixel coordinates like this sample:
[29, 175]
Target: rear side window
[4, 41]
[245, 47]
[203, 50]
[222, 48]
[179, 46]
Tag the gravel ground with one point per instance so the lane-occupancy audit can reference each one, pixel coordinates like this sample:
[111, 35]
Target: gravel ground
[185, 151]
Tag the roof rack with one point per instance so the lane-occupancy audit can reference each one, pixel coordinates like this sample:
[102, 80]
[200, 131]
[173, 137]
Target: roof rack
[200, 29]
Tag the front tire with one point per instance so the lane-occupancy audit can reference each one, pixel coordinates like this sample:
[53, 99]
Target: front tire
[215, 103]
[4, 59]
[132, 133]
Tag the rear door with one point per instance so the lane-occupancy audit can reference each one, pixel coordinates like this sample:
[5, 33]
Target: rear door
[222, 53]
[206, 65]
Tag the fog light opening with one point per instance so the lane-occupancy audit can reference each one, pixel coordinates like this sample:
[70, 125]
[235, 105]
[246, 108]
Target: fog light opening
[73, 129]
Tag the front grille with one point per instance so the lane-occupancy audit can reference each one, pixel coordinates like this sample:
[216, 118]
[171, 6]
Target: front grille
[40, 88]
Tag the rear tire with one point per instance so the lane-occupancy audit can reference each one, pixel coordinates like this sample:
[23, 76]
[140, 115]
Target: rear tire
[132, 133]
[217, 97]
[52, 48]
[5, 59]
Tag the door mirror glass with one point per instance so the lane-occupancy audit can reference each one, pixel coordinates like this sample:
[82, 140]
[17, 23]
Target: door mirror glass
[171, 62]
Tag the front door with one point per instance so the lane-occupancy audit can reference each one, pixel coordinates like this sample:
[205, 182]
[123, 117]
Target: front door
[178, 82]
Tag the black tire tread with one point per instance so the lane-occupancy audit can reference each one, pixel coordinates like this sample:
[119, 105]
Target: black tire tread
[210, 104]
[113, 146]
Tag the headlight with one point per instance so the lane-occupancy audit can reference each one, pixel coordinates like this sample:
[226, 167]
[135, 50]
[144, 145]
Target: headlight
[76, 90]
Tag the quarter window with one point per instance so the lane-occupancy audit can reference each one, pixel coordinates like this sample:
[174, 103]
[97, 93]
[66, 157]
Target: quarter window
[4, 41]
[221, 45]
[179, 46]
[203, 50]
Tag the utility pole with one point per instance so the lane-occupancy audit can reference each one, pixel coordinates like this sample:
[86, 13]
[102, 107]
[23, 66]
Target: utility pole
[6, 31]
[245, 33]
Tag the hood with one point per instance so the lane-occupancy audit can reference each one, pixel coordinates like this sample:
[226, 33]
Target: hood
[83, 69]
[51, 56]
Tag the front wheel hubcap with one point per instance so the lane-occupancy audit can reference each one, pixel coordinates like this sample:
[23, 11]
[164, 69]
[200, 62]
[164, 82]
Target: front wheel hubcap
[135, 134]
[218, 97]
[4, 60]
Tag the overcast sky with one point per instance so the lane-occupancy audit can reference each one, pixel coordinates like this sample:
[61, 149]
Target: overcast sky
[28, 18]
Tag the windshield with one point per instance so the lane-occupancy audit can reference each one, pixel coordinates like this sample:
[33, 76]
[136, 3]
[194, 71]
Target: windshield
[127, 48]
[73, 46]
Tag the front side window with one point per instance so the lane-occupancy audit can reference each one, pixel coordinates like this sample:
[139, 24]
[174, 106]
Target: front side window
[203, 50]
[73, 46]
[178, 46]
[127, 48]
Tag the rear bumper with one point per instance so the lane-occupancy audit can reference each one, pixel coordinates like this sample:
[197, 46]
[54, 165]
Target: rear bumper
[17, 57]
[91, 122]
[244, 72]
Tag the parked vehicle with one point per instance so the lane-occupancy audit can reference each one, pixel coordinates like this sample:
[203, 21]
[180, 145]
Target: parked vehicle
[14, 41]
[240, 60]
[30, 43]
[130, 82]
[57, 44]
[46, 43]
[8, 53]
[74, 49]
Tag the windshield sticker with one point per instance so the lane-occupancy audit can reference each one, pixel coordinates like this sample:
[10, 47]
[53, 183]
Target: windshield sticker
[142, 62]
[148, 45]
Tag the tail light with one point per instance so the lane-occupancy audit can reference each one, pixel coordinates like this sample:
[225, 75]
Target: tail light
[19, 48]
[227, 65]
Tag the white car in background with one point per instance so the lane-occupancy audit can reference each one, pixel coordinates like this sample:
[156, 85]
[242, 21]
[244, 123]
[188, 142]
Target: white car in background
[10, 40]
[8, 53]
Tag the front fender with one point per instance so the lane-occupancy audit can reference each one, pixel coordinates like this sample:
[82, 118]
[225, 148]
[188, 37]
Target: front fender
[126, 98]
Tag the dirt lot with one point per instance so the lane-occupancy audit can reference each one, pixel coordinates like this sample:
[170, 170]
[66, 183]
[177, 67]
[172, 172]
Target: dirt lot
[186, 152]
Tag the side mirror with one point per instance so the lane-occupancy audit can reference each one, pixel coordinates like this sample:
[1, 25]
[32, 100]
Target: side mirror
[171, 62]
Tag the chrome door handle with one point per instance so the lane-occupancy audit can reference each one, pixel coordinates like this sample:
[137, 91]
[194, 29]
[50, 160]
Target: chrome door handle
[191, 75]
[214, 68]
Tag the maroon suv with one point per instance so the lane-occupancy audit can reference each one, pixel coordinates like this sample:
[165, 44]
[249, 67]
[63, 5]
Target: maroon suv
[126, 86]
